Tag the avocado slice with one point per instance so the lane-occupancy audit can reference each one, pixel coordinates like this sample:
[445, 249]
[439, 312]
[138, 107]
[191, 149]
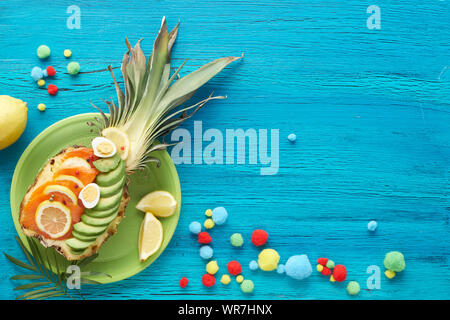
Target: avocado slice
[102, 214]
[83, 237]
[88, 230]
[107, 164]
[113, 189]
[110, 202]
[98, 221]
[110, 178]
[76, 244]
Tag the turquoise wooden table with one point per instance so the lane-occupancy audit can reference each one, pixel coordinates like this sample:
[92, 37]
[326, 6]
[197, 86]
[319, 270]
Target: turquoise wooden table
[370, 108]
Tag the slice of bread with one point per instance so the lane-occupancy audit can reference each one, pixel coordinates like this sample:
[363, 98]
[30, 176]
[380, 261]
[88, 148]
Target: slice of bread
[46, 175]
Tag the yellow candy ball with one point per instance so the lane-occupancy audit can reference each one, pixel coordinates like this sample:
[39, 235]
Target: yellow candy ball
[332, 279]
[67, 53]
[389, 274]
[208, 213]
[239, 278]
[41, 83]
[41, 107]
[319, 267]
[209, 223]
[268, 259]
[212, 267]
[225, 279]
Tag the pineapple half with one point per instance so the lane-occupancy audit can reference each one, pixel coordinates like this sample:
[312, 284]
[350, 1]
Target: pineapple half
[143, 113]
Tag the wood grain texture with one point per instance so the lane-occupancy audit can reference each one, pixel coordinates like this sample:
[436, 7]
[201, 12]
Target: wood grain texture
[370, 109]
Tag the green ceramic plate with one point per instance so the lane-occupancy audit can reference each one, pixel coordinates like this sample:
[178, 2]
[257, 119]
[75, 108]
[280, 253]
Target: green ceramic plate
[119, 256]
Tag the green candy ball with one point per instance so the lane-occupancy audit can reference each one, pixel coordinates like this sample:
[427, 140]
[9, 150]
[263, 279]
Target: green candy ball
[247, 286]
[236, 240]
[394, 261]
[73, 68]
[43, 52]
[353, 288]
[330, 264]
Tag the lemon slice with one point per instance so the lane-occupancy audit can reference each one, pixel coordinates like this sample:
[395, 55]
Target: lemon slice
[150, 236]
[61, 189]
[65, 177]
[75, 162]
[160, 203]
[53, 218]
[120, 139]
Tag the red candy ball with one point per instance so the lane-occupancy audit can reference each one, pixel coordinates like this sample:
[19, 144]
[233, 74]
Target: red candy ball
[322, 261]
[204, 237]
[259, 237]
[52, 89]
[51, 71]
[339, 273]
[208, 280]
[326, 271]
[234, 268]
[184, 282]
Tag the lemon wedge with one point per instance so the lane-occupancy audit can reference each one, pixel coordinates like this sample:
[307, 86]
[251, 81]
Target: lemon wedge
[120, 139]
[75, 162]
[160, 203]
[150, 236]
[61, 189]
[53, 218]
[65, 177]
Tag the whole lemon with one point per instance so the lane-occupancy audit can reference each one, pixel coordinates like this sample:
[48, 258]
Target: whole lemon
[13, 120]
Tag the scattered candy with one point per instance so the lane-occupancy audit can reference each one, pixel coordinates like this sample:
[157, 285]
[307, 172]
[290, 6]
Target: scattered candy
[322, 261]
[253, 265]
[239, 278]
[208, 280]
[219, 215]
[225, 279]
[339, 273]
[195, 227]
[184, 282]
[43, 51]
[41, 83]
[206, 252]
[394, 261]
[67, 53]
[325, 271]
[52, 89]
[319, 267]
[212, 267]
[280, 269]
[298, 267]
[247, 286]
[330, 264]
[209, 224]
[204, 237]
[268, 259]
[389, 274]
[41, 107]
[234, 268]
[372, 225]
[208, 212]
[37, 73]
[73, 68]
[50, 71]
[292, 137]
[353, 288]
[236, 240]
[259, 237]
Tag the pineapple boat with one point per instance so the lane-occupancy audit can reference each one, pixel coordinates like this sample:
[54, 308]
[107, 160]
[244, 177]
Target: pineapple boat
[80, 195]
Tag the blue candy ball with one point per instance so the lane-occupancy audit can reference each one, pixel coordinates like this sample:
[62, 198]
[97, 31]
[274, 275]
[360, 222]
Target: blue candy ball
[292, 137]
[253, 265]
[195, 227]
[219, 215]
[298, 267]
[37, 73]
[372, 225]
[206, 252]
[280, 268]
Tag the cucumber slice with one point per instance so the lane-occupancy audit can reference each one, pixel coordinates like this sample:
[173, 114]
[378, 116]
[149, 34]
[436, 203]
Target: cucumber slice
[102, 213]
[88, 230]
[98, 221]
[110, 178]
[113, 189]
[77, 244]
